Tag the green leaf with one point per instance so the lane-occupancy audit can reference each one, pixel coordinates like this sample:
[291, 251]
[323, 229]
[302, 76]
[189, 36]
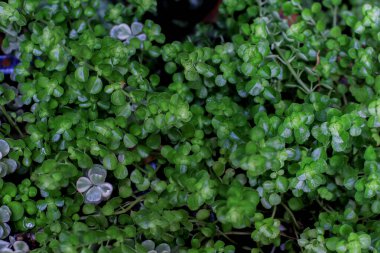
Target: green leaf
[370, 154]
[154, 141]
[194, 201]
[274, 199]
[93, 195]
[4, 148]
[205, 69]
[130, 140]
[83, 184]
[203, 214]
[56, 54]
[136, 177]
[94, 85]
[110, 162]
[220, 81]
[301, 134]
[365, 241]
[81, 74]
[97, 174]
[17, 210]
[255, 165]
[5, 214]
[254, 87]
[118, 98]
[120, 172]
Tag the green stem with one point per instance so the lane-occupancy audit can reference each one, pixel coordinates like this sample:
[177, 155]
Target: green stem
[130, 206]
[345, 102]
[295, 232]
[199, 222]
[126, 94]
[232, 241]
[259, 247]
[214, 173]
[323, 206]
[141, 169]
[335, 15]
[44, 22]
[237, 233]
[292, 71]
[291, 215]
[91, 67]
[259, 3]
[274, 211]
[10, 120]
[10, 33]
[287, 236]
[225, 236]
[3, 131]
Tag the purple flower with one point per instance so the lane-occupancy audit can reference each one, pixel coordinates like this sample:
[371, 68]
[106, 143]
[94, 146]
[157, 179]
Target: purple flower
[8, 63]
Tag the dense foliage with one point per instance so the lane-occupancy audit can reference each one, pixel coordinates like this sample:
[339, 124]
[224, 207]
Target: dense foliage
[257, 133]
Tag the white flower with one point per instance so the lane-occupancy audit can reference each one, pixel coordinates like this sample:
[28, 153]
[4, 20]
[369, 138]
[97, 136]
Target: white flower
[18, 246]
[94, 186]
[125, 32]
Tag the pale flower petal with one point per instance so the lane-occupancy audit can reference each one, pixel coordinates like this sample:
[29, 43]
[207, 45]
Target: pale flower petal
[106, 190]
[94, 195]
[121, 32]
[136, 28]
[141, 37]
[83, 184]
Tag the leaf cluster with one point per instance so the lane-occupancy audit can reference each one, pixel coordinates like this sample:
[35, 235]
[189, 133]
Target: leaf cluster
[264, 125]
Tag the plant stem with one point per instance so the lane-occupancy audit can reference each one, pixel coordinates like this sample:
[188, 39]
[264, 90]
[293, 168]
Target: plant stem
[287, 236]
[274, 211]
[323, 206]
[232, 241]
[10, 120]
[141, 169]
[335, 15]
[345, 102]
[246, 248]
[292, 71]
[291, 215]
[237, 233]
[259, 3]
[295, 232]
[94, 69]
[10, 33]
[130, 206]
[225, 235]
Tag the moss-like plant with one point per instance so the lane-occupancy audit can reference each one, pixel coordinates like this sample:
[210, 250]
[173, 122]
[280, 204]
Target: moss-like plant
[257, 133]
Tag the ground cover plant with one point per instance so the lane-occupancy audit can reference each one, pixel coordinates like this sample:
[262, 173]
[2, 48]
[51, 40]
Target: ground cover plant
[256, 133]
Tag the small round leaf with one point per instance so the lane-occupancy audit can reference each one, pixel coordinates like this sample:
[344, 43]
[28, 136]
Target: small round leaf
[83, 184]
[97, 174]
[4, 148]
[106, 190]
[94, 195]
[148, 245]
[94, 85]
[21, 246]
[5, 214]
